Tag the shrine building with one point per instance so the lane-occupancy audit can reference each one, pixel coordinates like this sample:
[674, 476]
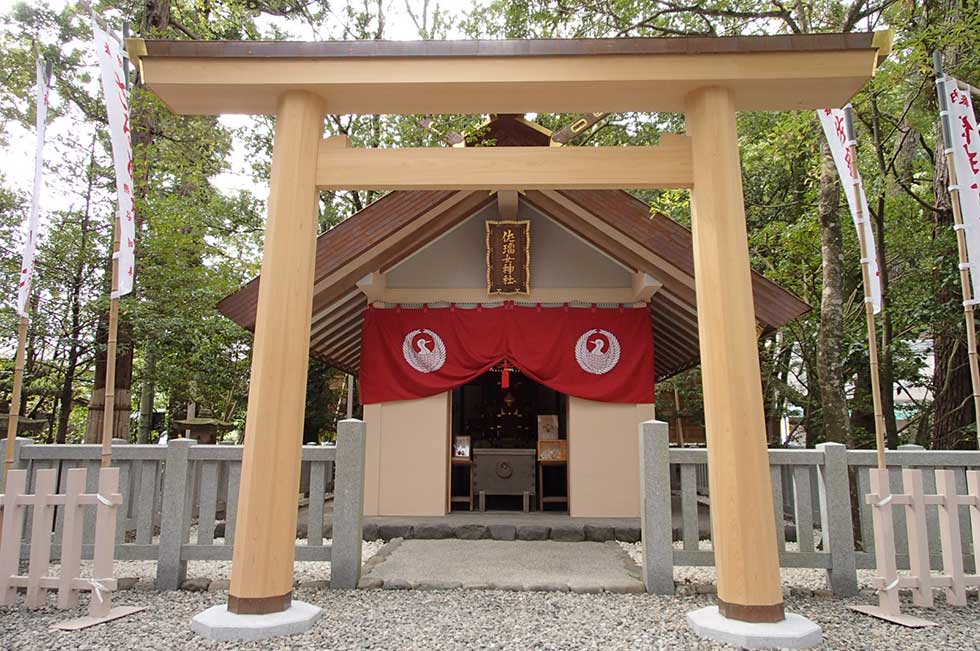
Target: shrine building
[507, 343]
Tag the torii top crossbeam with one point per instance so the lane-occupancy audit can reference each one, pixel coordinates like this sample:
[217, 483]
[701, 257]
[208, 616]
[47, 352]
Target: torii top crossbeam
[510, 76]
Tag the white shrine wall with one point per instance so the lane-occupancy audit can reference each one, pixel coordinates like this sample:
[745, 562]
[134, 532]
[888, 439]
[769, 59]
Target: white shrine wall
[407, 457]
[603, 458]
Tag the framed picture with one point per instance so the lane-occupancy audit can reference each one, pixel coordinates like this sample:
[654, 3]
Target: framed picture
[548, 427]
[461, 447]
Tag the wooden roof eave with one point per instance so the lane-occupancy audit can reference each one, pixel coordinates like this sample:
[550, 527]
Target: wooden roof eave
[344, 242]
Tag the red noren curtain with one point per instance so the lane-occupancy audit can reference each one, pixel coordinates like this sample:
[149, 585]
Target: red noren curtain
[603, 354]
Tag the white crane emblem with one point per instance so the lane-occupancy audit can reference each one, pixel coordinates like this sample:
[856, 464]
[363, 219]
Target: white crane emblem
[424, 350]
[597, 351]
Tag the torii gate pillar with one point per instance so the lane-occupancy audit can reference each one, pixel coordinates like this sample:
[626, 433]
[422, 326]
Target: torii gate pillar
[742, 524]
[265, 536]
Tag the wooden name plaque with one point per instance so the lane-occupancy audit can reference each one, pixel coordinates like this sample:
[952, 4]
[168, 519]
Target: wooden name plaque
[509, 257]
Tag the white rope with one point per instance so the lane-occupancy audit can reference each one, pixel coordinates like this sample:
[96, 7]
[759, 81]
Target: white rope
[884, 502]
[971, 302]
[940, 80]
[869, 299]
[948, 150]
[943, 113]
[115, 255]
[867, 260]
[954, 188]
[114, 295]
[891, 586]
[965, 265]
[98, 588]
[103, 499]
[851, 143]
[959, 227]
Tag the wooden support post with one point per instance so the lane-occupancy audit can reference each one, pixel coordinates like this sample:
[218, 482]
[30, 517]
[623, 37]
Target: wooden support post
[949, 533]
[884, 528]
[743, 529]
[14, 409]
[918, 537]
[350, 397]
[262, 564]
[678, 421]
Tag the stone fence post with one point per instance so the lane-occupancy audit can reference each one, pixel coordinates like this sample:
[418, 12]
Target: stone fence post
[835, 514]
[656, 522]
[348, 504]
[19, 443]
[175, 516]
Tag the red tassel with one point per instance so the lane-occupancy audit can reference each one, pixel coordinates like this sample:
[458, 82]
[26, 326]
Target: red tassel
[505, 377]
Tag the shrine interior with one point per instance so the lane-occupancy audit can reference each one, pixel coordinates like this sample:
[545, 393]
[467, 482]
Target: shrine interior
[503, 421]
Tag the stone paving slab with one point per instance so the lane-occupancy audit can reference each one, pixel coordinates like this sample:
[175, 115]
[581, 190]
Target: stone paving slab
[542, 565]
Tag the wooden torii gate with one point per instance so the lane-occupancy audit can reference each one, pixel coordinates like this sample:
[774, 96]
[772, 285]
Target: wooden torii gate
[708, 79]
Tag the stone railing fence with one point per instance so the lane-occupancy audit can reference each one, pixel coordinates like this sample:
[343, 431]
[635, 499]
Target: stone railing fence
[180, 500]
[180, 504]
[818, 498]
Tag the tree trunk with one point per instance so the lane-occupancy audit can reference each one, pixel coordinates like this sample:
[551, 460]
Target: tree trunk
[775, 399]
[886, 366]
[68, 386]
[147, 390]
[830, 341]
[124, 380]
[862, 414]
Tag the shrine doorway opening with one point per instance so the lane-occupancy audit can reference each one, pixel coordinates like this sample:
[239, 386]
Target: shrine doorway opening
[509, 444]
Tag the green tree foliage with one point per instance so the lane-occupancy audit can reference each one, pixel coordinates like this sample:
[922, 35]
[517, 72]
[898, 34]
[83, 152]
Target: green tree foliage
[197, 243]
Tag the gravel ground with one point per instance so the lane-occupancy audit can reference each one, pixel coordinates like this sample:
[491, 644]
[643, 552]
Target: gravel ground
[412, 620]
[793, 577]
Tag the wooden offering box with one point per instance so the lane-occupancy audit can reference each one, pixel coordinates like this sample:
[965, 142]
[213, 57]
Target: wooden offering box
[503, 472]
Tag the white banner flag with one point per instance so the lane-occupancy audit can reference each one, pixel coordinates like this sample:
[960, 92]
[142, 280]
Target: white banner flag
[965, 143]
[834, 128]
[30, 241]
[117, 109]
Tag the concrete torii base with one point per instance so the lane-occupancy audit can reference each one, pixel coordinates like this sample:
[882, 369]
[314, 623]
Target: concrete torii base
[794, 632]
[217, 623]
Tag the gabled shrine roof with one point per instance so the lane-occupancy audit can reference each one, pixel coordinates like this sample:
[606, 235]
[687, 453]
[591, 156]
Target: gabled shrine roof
[402, 222]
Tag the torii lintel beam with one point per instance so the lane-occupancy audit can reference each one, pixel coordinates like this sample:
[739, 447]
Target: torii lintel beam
[667, 165]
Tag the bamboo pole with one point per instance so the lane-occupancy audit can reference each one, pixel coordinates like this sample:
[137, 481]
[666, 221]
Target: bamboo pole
[964, 265]
[869, 312]
[109, 413]
[14, 415]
